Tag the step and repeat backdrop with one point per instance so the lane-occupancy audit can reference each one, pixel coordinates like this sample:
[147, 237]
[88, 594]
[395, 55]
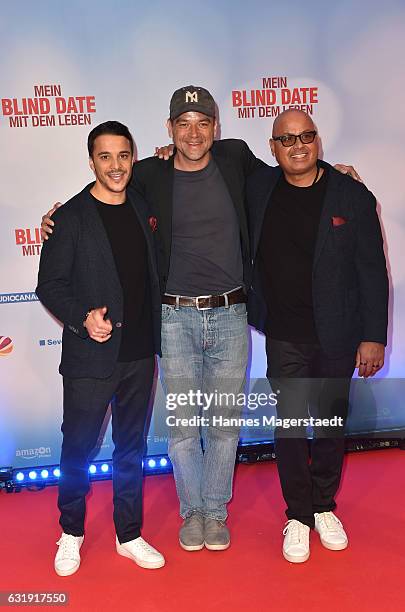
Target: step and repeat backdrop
[65, 67]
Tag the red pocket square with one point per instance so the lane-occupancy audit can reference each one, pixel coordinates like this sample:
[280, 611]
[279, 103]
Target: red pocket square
[336, 221]
[153, 223]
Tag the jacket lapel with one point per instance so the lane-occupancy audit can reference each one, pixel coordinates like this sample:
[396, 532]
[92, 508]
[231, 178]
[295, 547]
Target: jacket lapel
[144, 215]
[161, 199]
[263, 202]
[332, 197]
[96, 229]
[227, 171]
[154, 183]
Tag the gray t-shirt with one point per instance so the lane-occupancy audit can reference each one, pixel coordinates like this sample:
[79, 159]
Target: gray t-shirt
[206, 253]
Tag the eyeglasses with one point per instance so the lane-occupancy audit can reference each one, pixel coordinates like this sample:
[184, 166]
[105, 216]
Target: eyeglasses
[288, 140]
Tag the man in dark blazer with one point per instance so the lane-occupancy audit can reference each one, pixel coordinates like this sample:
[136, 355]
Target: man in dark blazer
[98, 276]
[320, 294]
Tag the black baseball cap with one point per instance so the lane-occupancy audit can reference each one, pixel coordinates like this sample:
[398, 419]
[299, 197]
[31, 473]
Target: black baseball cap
[191, 98]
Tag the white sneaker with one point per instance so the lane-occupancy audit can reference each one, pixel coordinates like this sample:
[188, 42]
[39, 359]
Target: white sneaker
[331, 531]
[141, 552]
[296, 541]
[67, 560]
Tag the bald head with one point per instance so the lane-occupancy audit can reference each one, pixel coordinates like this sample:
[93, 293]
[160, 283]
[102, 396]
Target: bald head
[297, 150]
[291, 115]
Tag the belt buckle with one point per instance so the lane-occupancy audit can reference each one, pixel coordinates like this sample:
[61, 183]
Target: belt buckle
[202, 297]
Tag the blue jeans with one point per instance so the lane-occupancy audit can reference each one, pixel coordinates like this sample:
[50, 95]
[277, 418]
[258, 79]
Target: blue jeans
[204, 350]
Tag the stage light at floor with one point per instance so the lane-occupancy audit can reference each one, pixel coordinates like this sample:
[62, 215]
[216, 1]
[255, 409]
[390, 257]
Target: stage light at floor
[99, 470]
[6, 478]
[160, 464]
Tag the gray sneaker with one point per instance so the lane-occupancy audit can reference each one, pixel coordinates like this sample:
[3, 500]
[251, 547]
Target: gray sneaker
[216, 535]
[191, 535]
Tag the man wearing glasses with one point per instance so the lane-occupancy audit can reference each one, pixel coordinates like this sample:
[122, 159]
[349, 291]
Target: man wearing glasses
[320, 294]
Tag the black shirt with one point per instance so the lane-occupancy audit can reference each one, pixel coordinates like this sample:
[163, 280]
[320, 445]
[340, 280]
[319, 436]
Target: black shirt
[130, 254]
[285, 256]
[206, 253]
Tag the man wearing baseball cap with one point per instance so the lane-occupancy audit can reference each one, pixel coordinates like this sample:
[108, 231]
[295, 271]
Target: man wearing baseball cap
[190, 98]
[203, 260]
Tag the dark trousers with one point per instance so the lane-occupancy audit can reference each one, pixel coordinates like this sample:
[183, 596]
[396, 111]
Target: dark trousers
[309, 384]
[85, 403]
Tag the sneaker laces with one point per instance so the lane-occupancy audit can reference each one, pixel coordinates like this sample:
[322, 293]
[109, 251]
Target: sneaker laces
[141, 543]
[68, 546]
[294, 530]
[214, 524]
[193, 515]
[219, 523]
[330, 521]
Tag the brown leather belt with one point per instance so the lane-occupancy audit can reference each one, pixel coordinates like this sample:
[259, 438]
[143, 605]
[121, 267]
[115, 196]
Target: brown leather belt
[205, 302]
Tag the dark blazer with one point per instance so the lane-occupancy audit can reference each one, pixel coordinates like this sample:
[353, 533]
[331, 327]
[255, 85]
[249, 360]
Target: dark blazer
[153, 179]
[349, 276]
[77, 273]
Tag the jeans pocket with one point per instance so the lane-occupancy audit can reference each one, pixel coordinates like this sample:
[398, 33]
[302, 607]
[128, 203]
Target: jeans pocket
[238, 309]
[167, 311]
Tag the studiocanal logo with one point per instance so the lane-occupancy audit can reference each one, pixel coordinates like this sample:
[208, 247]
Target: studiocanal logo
[6, 346]
[29, 240]
[13, 298]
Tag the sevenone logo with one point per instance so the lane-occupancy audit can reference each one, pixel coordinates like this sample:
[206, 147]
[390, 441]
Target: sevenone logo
[11, 298]
[6, 346]
[50, 342]
[34, 453]
[29, 240]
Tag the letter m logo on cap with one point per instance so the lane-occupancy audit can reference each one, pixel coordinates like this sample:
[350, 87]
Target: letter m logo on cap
[191, 96]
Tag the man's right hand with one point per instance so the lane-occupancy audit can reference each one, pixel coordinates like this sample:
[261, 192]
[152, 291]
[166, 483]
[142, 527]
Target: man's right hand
[98, 328]
[47, 223]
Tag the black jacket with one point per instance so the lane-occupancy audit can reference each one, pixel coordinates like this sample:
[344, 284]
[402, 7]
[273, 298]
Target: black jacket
[77, 273]
[349, 276]
[153, 179]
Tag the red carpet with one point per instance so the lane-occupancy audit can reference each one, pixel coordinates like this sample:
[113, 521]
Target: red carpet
[251, 575]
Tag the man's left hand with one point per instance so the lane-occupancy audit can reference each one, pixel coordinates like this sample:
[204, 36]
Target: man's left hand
[348, 170]
[369, 358]
[167, 151]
